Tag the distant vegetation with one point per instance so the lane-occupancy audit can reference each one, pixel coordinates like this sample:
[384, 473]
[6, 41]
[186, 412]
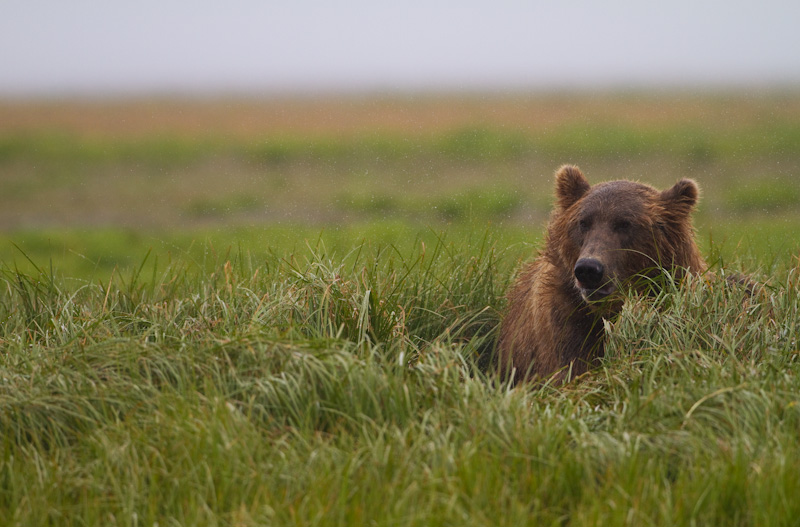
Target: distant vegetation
[162, 166]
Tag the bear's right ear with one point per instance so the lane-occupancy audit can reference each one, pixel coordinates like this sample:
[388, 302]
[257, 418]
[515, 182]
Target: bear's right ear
[571, 185]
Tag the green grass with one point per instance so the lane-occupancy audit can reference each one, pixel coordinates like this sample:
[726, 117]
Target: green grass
[474, 205]
[766, 195]
[590, 138]
[476, 165]
[328, 387]
[759, 243]
[94, 254]
[296, 327]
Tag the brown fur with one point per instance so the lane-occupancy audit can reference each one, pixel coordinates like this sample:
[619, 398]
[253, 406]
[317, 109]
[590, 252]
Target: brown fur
[604, 236]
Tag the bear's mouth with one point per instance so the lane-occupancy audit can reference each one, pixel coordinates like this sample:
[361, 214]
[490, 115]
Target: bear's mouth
[594, 295]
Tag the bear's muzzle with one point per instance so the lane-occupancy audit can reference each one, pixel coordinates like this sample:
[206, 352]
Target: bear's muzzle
[591, 279]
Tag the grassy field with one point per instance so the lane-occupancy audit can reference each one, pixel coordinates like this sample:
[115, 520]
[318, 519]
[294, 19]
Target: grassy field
[283, 313]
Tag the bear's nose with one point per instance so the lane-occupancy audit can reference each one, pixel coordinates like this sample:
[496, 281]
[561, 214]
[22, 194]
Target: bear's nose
[589, 273]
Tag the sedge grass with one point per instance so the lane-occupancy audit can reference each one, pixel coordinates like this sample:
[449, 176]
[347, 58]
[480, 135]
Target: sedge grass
[340, 389]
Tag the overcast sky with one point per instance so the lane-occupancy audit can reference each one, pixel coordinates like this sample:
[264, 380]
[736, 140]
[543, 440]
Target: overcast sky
[164, 46]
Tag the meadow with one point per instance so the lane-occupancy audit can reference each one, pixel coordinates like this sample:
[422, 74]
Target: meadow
[283, 312]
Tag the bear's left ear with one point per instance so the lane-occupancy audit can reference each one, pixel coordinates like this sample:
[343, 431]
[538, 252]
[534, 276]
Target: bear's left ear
[571, 185]
[681, 198]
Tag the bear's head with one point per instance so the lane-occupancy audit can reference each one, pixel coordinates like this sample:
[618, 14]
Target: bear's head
[606, 234]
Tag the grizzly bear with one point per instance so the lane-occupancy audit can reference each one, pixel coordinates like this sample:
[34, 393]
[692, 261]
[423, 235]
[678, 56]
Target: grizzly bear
[600, 240]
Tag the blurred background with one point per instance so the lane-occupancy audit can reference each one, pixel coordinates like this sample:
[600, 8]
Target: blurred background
[127, 127]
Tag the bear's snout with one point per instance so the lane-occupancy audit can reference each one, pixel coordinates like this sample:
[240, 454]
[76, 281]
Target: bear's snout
[589, 273]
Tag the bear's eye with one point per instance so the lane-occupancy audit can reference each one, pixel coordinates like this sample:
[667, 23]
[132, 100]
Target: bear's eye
[622, 225]
[584, 225]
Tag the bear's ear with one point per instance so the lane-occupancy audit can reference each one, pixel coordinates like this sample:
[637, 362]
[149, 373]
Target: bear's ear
[571, 185]
[681, 198]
